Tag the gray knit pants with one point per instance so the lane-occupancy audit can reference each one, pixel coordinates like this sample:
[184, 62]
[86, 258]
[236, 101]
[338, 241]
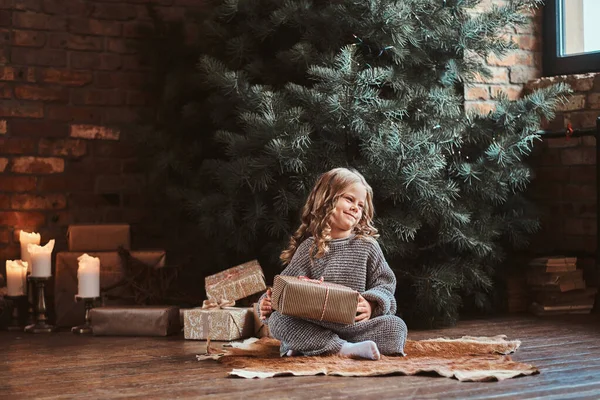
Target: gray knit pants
[311, 337]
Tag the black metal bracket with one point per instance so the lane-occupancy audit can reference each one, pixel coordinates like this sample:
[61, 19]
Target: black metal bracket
[575, 133]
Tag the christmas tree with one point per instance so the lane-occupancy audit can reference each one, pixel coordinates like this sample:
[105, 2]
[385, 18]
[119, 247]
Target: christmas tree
[281, 91]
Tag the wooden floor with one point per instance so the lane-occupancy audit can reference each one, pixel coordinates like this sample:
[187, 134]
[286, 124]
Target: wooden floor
[63, 365]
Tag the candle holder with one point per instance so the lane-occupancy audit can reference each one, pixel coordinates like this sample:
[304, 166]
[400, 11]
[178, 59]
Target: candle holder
[30, 317]
[41, 325]
[15, 321]
[86, 328]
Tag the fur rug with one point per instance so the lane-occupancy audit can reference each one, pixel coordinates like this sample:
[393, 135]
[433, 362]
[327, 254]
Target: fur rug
[466, 359]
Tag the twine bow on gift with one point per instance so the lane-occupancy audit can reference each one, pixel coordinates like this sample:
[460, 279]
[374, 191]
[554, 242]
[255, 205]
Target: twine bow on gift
[320, 282]
[307, 279]
[216, 305]
[213, 304]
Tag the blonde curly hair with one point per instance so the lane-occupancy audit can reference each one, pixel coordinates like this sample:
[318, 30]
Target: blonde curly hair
[319, 207]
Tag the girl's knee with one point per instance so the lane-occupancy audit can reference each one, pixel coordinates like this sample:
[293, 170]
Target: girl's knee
[274, 322]
[279, 324]
[396, 325]
[395, 338]
[401, 326]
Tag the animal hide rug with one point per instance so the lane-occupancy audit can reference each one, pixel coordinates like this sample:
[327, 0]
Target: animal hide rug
[466, 359]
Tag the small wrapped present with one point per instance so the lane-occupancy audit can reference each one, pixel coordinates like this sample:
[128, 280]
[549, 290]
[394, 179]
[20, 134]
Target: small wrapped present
[135, 321]
[112, 271]
[182, 314]
[314, 299]
[227, 323]
[100, 237]
[235, 283]
[260, 328]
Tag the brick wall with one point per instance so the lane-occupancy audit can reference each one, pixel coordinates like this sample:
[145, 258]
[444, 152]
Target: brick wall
[71, 81]
[511, 72]
[566, 182]
[565, 186]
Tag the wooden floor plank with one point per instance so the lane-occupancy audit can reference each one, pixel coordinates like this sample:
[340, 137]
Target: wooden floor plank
[566, 349]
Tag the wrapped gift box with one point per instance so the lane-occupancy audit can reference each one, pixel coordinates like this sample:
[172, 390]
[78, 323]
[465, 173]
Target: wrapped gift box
[228, 323]
[182, 314]
[71, 313]
[260, 328]
[135, 321]
[235, 283]
[312, 299]
[100, 237]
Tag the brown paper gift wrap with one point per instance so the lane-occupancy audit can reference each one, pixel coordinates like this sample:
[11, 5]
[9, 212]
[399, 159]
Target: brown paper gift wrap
[100, 237]
[313, 299]
[235, 283]
[229, 323]
[260, 328]
[135, 321]
[71, 313]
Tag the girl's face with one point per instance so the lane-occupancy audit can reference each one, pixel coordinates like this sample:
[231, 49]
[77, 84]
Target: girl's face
[348, 211]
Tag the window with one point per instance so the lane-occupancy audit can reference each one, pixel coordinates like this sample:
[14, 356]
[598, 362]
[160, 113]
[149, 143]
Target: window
[571, 36]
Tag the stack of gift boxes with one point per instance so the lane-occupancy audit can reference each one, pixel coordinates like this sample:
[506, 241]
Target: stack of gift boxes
[294, 296]
[117, 313]
[218, 318]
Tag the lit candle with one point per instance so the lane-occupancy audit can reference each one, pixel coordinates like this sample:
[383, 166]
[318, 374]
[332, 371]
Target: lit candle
[16, 276]
[41, 259]
[88, 276]
[25, 238]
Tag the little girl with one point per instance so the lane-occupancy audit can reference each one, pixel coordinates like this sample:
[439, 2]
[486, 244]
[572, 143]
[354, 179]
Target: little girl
[336, 241]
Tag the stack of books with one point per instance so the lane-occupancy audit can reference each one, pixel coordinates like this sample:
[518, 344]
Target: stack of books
[558, 287]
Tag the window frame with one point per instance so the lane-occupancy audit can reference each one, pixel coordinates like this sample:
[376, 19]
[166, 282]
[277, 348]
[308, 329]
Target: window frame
[553, 64]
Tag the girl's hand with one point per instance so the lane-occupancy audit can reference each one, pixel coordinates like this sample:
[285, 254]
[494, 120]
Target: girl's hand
[265, 306]
[363, 309]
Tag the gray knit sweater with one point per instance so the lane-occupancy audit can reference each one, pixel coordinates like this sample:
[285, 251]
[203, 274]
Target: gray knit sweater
[359, 264]
[356, 262]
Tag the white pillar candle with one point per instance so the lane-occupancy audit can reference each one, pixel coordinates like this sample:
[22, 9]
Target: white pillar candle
[88, 276]
[16, 277]
[25, 238]
[41, 259]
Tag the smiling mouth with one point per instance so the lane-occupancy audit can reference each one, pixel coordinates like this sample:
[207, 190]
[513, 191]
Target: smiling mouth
[350, 215]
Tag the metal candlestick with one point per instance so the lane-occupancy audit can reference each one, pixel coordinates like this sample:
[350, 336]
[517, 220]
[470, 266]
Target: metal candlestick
[87, 326]
[15, 322]
[40, 326]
